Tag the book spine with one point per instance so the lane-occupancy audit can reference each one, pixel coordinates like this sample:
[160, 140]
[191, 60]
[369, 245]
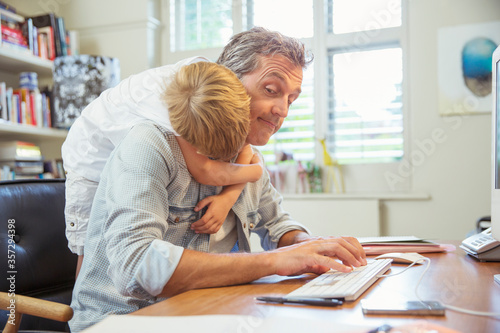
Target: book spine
[32, 110]
[28, 34]
[10, 107]
[43, 46]
[35, 41]
[8, 31]
[3, 101]
[48, 34]
[57, 40]
[16, 107]
[62, 35]
[15, 46]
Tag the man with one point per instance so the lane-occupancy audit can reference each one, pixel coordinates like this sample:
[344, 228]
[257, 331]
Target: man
[140, 247]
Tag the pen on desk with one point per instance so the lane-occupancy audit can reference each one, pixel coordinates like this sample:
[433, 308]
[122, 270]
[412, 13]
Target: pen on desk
[305, 301]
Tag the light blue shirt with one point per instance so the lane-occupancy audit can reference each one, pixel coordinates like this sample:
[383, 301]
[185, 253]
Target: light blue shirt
[140, 225]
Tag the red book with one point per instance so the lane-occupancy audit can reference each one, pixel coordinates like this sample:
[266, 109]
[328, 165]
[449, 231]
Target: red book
[12, 32]
[15, 40]
[32, 110]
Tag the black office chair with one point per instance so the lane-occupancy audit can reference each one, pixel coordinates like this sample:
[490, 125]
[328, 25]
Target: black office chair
[32, 233]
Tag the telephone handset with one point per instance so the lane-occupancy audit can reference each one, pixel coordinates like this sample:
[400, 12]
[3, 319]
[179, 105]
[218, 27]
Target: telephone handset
[482, 246]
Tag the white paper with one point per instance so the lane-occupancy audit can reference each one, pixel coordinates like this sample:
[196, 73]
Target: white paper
[217, 324]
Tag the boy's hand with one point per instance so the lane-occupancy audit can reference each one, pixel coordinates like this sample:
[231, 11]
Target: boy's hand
[257, 160]
[212, 220]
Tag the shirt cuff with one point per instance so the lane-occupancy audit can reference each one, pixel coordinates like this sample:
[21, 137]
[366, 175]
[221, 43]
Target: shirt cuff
[157, 266]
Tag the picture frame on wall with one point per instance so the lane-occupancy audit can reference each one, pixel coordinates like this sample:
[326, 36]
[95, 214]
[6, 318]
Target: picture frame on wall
[464, 68]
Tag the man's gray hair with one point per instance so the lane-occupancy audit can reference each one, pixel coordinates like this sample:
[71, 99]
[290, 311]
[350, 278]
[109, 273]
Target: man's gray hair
[244, 50]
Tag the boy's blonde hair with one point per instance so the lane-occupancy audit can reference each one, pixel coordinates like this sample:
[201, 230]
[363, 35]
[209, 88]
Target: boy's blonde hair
[209, 108]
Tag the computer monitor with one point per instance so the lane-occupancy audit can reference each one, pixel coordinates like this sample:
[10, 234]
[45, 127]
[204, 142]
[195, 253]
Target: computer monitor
[495, 146]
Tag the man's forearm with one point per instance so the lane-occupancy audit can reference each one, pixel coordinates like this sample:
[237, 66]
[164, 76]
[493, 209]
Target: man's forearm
[293, 237]
[204, 270]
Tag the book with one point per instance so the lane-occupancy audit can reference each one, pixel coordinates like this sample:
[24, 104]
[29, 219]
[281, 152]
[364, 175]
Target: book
[27, 30]
[3, 101]
[49, 20]
[12, 32]
[19, 151]
[55, 168]
[9, 104]
[389, 244]
[48, 34]
[400, 240]
[43, 46]
[16, 107]
[74, 43]
[25, 167]
[15, 46]
[61, 29]
[6, 173]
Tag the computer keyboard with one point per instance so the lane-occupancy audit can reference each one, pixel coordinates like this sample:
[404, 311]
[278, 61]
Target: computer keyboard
[347, 286]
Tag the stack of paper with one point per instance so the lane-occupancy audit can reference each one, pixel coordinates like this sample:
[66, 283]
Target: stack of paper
[221, 323]
[388, 244]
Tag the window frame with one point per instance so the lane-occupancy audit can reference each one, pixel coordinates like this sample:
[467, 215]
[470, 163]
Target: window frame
[370, 177]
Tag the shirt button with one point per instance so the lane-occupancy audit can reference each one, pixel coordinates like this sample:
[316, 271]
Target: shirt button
[252, 225]
[72, 224]
[176, 219]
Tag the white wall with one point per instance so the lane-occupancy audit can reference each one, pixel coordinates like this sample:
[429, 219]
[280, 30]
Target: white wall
[455, 174]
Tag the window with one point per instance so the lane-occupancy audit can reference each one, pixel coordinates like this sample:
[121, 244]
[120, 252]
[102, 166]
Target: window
[353, 93]
[365, 119]
[193, 26]
[348, 16]
[365, 113]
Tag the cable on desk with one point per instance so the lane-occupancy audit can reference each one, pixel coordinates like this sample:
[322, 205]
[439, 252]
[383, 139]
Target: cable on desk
[448, 307]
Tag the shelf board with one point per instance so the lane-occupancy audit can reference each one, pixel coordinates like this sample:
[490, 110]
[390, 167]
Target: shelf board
[30, 133]
[15, 61]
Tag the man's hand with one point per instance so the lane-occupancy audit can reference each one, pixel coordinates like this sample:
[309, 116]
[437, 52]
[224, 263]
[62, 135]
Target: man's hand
[318, 255]
[214, 217]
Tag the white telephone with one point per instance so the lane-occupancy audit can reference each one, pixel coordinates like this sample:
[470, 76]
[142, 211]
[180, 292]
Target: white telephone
[482, 246]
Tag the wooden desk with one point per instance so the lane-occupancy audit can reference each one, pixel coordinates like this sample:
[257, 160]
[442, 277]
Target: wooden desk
[453, 278]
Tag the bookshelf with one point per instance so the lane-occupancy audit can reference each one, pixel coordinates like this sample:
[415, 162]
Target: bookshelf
[16, 61]
[12, 63]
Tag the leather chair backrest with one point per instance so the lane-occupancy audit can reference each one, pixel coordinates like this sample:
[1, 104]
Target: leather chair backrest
[32, 233]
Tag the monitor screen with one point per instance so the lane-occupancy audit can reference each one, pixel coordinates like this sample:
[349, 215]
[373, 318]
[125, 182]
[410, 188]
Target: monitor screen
[496, 130]
[495, 145]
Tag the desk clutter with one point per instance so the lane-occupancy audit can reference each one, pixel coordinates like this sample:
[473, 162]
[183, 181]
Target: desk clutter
[402, 244]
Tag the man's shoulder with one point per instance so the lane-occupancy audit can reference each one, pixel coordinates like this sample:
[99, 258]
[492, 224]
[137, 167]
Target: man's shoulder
[152, 129]
[148, 133]
[148, 146]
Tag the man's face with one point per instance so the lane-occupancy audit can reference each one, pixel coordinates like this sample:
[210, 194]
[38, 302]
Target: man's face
[272, 88]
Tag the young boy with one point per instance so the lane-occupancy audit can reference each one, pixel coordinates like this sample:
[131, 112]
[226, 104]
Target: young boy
[203, 103]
